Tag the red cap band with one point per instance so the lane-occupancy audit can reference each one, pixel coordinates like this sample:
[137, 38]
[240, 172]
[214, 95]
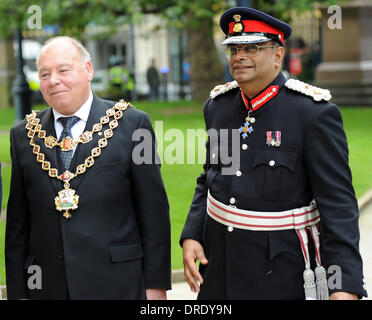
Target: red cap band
[257, 26]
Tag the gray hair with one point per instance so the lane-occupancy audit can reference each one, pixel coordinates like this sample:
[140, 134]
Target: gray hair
[84, 54]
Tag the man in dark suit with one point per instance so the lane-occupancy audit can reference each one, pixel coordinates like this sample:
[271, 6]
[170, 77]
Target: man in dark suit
[94, 221]
[255, 231]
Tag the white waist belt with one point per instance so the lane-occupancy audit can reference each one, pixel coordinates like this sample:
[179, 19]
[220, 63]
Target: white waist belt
[262, 221]
[299, 219]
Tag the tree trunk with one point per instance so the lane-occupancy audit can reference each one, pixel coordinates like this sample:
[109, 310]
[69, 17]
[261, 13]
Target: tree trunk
[206, 68]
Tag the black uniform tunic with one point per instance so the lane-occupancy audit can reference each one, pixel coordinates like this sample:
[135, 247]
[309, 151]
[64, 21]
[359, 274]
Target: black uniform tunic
[310, 163]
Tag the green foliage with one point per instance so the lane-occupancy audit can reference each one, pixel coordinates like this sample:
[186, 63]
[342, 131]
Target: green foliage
[72, 16]
[197, 17]
[12, 15]
[282, 9]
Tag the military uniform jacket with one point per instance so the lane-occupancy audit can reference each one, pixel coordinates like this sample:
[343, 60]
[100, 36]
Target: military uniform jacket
[310, 163]
[117, 242]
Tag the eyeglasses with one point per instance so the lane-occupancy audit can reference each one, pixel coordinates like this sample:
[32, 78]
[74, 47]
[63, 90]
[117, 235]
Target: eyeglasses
[251, 50]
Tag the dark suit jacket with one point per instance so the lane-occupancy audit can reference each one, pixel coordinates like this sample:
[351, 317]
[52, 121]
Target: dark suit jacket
[311, 162]
[117, 243]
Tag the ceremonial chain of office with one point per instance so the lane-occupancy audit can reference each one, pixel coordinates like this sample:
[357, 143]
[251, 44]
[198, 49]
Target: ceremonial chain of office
[67, 200]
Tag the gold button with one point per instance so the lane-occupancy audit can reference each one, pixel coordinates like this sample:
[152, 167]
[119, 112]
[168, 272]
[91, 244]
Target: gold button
[238, 173]
[244, 146]
[232, 200]
[272, 163]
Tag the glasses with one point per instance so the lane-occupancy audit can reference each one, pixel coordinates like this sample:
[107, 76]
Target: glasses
[251, 50]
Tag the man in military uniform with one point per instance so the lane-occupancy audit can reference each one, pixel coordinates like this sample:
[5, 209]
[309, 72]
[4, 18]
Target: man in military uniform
[274, 228]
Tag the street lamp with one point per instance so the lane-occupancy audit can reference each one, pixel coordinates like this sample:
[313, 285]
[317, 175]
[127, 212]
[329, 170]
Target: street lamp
[20, 89]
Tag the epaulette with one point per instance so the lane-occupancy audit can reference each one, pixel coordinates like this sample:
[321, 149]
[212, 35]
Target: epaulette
[222, 88]
[316, 93]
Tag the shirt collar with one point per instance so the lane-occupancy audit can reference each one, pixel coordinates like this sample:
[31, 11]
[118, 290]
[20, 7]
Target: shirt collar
[82, 113]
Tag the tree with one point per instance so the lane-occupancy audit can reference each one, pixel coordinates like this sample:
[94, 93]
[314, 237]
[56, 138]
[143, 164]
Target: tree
[195, 16]
[72, 17]
[206, 67]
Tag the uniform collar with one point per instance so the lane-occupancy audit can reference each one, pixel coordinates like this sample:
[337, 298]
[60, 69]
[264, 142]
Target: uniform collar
[265, 95]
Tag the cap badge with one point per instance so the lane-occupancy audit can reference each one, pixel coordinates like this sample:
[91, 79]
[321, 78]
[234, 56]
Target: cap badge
[238, 26]
[237, 17]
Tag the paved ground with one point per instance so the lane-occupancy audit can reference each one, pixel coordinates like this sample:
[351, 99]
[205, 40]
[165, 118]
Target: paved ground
[181, 290]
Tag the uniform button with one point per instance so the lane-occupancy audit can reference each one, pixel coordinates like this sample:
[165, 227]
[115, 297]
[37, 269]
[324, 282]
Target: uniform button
[230, 229]
[244, 146]
[232, 200]
[238, 173]
[272, 163]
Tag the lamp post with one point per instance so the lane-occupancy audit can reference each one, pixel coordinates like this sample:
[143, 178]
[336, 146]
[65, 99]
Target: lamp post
[20, 89]
[180, 54]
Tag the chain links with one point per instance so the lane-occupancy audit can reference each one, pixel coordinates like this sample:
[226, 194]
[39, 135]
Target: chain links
[34, 127]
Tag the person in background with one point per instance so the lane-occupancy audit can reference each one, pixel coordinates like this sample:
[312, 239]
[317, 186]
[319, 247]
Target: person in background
[153, 80]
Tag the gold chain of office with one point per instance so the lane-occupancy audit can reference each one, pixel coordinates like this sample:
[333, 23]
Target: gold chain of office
[67, 200]
[68, 143]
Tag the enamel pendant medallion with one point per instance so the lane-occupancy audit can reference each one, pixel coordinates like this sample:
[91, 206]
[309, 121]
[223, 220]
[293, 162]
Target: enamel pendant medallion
[67, 144]
[66, 199]
[247, 128]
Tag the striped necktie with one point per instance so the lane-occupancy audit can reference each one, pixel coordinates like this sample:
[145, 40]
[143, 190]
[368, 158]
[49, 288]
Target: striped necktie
[68, 123]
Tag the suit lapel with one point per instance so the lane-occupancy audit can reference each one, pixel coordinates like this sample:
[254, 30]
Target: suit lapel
[83, 151]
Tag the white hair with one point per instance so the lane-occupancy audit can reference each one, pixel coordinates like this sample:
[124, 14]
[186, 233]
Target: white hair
[84, 54]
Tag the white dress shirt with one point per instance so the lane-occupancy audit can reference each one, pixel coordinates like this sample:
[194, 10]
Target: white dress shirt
[78, 128]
